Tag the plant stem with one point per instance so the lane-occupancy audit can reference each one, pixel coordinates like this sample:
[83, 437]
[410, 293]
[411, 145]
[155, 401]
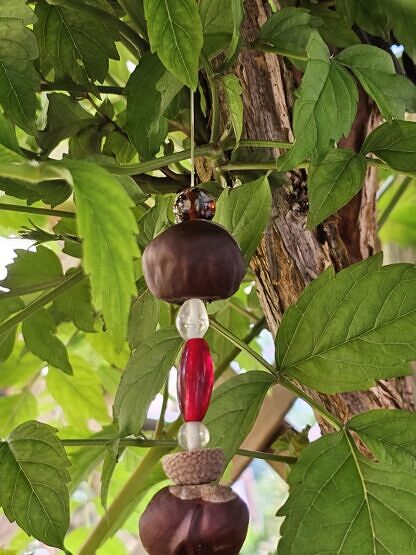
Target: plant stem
[393, 201]
[171, 444]
[34, 210]
[75, 88]
[41, 301]
[320, 409]
[241, 345]
[161, 422]
[248, 167]
[254, 332]
[254, 143]
[21, 291]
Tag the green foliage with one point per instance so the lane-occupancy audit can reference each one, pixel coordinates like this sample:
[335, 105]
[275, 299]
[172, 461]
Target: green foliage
[175, 33]
[33, 490]
[348, 330]
[234, 408]
[245, 212]
[333, 182]
[347, 503]
[16, 409]
[143, 378]
[144, 317]
[233, 91]
[40, 266]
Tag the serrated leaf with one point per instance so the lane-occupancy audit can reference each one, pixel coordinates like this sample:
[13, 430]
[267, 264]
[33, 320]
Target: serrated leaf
[155, 220]
[325, 108]
[33, 489]
[29, 267]
[19, 79]
[395, 143]
[79, 395]
[75, 305]
[333, 183]
[143, 378]
[233, 92]
[390, 434]
[76, 46]
[7, 340]
[288, 31]
[346, 503]
[149, 90]
[16, 409]
[107, 226]
[357, 327]
[245, 211]
[234, 408]
[374, 68]
[175, 33]
[65, 118]
[39, 335]
[144, 316]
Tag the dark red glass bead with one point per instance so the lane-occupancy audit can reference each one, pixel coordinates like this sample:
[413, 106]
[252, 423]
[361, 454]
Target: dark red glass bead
[194, 203]
[195, 379]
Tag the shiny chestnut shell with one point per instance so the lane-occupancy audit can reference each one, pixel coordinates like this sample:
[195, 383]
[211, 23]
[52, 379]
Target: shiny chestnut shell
[212, 521]
[193, 260]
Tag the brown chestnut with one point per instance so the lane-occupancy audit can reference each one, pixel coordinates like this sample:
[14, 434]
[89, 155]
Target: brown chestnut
[193, 260]
[194, 520]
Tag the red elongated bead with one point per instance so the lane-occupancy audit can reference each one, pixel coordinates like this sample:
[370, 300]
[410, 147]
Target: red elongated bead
[195, 379]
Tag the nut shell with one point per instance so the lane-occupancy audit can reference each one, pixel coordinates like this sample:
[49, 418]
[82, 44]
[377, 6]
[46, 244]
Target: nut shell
[205, 520]
[193, 260]
[199, 466]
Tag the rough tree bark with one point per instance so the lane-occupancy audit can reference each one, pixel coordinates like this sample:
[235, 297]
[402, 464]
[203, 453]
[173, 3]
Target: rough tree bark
[290, 256]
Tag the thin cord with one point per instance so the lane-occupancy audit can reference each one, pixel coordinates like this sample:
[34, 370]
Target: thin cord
[192, 140]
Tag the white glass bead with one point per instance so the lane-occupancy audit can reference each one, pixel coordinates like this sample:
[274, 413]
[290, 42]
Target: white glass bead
[192, 319]
[193, 435]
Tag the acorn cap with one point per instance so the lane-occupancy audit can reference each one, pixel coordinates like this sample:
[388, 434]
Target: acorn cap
[193, 260]
[198, 466]
[194, 519]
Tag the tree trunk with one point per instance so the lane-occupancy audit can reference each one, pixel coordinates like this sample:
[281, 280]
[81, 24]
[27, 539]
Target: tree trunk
[290, 256]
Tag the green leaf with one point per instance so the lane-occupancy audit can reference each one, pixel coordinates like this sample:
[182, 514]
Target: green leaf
[372, 18]
[107, 472]
[288, 31]
[395, 143]
[245, 211]
[325, 107]
[107, 226]
[234, 408]
[7, 340]
[374, 68]
[150, 90]
[351, 329]
[175, 33]
[346, 503]
[30, 267]
[16, 409]
[80, 395]
[144, 316]
[237, 10]
[39, 335]
[76, 46]
[19, 79]
[75, 305]
[334, 30]
[233, 92]
[66, 118]
[8, 137]
[155, 220]
[143, 378]
[390, 434]
[219, 22]
[333, 183]
[33, 489]
[400, 226]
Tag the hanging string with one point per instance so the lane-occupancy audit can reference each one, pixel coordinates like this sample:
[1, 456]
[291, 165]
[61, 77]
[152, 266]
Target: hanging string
[192, 139]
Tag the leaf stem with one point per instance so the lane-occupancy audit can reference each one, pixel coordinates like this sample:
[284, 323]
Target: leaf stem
[241, 345]
[75, 88]
[393, 201]
[34, 210]
[254, 143]
[267, 456]
[41, 301]
[161, 422]
[320, 409]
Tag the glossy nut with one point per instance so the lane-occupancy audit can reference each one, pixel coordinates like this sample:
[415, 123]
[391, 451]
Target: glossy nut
[193, 260]
[194, 520]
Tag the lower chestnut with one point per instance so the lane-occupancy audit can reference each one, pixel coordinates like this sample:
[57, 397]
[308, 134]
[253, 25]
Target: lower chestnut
[194, 520]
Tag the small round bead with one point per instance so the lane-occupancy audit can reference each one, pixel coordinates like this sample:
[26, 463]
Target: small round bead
[194, 203]
[193, 435]
[192, 319]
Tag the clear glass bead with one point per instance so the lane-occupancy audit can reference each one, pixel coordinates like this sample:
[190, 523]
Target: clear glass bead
[192, 319]
[193, 435]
